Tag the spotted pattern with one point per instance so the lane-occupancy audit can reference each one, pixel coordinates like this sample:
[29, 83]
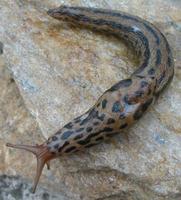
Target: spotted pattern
[151, 71]
[139, 93]
[70, 149]
[54, 138]
[112, 134]
[78, 137]
[127, 100]
[144, 84]
[79, 130]
[122, 115]
[116, 107]
[158, 57]
[100, 138]
[104, 103]
[66, 135]
[96, 123]
[111, 121]
[63, 146]
[69, 125]
[89, 129]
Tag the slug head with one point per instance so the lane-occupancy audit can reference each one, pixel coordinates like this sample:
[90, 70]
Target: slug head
[43, 156]
[67, 13]
[60, 12]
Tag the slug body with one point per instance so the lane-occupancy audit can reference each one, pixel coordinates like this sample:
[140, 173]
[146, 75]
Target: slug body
[126, 101]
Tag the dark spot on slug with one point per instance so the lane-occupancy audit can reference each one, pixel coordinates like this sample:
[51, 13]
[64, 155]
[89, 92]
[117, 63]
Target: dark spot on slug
[99, 21]
[84, 142]
[90, 145]
[107, 129]
[122, 115]
[98, 105]
[127, 99]
[111, 134]
[104, 102]
[99, 138]
[77, 119]
[89, 129]
[84, 19]
[56, 146]
[78, 136]
[139, 93]
[150, 29]
[170, 58]
[96, 123]
[116, 107]
[149, 91]
[123, 126]
[169, 80]
[79, 130]
[110, 121]
[142, 108]
[146, 54]
[54, 138]
[88, 139]
[169, 61]
[137, 115]
[151, 71]
[92, 114]
[69, 125]
[58, 132]
[68, 150]
[146, 104]
[101, 117]
[63, 146]
[140, 76]
[158, 57]
[161, 78]
[144, 84]
[120, 84]
[66, 135]
[93, 135]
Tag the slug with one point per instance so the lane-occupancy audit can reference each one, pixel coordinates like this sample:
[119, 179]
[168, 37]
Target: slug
[126, 101]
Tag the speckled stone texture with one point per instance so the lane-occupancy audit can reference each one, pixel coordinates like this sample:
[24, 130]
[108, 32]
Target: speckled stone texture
[13, 187]
[16, 122]
[60, 71]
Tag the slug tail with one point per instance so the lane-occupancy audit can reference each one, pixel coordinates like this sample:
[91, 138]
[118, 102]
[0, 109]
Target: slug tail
[43, 157]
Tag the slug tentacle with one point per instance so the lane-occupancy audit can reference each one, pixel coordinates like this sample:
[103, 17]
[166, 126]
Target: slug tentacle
[43, 157]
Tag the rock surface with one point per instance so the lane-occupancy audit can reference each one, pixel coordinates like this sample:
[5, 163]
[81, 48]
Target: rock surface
[56, 66]
[13, 187]
[15, 123]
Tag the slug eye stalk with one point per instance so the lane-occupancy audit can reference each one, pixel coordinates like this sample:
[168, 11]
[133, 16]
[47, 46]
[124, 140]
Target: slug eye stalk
[43, 157]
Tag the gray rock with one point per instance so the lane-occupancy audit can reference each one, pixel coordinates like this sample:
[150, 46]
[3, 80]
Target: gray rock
[56, 66]
[14, 188]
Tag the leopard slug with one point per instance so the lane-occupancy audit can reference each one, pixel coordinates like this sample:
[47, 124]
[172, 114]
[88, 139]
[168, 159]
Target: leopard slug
[126, 101]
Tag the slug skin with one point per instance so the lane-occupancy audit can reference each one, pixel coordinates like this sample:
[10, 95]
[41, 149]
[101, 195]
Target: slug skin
[126, 101]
